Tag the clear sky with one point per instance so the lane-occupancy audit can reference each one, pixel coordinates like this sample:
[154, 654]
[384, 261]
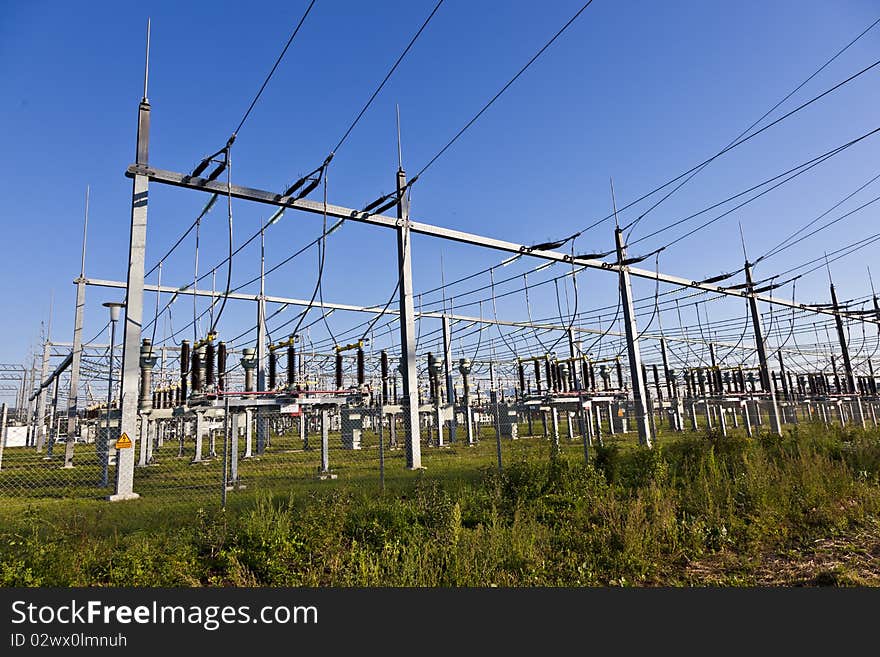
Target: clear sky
[637, 91]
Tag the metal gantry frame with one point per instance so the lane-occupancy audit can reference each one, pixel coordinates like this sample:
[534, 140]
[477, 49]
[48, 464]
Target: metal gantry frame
[133, 360]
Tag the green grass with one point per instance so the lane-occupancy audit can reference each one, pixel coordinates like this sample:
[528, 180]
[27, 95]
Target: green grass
[631, 516]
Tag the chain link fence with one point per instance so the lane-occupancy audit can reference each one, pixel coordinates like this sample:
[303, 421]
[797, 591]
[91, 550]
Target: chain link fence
[238, 445]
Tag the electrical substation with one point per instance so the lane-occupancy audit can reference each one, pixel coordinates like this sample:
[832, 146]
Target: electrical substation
[429, 377]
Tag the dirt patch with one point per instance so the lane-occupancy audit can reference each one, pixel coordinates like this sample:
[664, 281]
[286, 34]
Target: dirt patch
[850, 559]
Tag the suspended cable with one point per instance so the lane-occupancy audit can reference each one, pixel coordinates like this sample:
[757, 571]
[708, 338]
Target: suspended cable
[229, 259]
[385, 79]
[272, 71]
[739, 142]
[813, 163]
[503, 89]
[747, 130]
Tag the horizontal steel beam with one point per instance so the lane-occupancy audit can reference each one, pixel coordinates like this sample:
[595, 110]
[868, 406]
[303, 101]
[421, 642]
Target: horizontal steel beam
[376, 310]
[63, 365]
[340, 212]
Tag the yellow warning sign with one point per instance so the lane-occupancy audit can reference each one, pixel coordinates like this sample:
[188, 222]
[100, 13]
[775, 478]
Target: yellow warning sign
[124, 442]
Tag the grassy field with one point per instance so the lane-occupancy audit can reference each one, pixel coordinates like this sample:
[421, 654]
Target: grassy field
[698, 509]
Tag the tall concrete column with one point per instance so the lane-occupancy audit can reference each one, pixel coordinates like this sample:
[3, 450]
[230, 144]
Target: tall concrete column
[844, 349]
[76, 351]
[447, 368]
[639, 392]
[766, 383]
[31, 438]
[3, 412]
[407, 329]
[41, 400]
[134, 306]
[53, 432]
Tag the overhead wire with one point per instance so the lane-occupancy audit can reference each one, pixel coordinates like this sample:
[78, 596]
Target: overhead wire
[747, 130]
[503, 89]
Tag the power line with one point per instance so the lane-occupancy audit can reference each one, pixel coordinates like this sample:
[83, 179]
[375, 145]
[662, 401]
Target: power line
[767, 191]
[737, 143]
[803, 167]
[746, 131]
[385, 79]
[271, 72]
[498, 95]
[784, 244]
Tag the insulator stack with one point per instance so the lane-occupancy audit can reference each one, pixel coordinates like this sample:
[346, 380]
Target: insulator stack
[273, 365]
[196, 372]
[538, 377]
[291, 365]
[383, 362]
[657, 382]
[360, 366]
[184, 369]
[522, 379]
[210, 353]
[221, 366]
[619, 375]
[431, 380]
[339, 371]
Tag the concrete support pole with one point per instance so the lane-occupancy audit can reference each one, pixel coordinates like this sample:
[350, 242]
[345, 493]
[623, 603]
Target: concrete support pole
[554, 436]
[262, 380]
[145, 403]
[447, 368]
[53, 431]
[3, 412]
[587, 420]
[844, 349]
[181, 436]
[407, 329]
[392, 429]
[150, 437]
[746, 420]
[464, 368]
[212, 444]
[200, 432]
[32, 425]
[325, 441]
[762, 353]
[41, 400]
[76, 351]
[632, 343]
[236, 436]
[248, 433]
[75, 363]
[860, 414]
[134, 307]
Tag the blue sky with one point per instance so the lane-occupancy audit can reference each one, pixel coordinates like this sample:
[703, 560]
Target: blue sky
[637, 91]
